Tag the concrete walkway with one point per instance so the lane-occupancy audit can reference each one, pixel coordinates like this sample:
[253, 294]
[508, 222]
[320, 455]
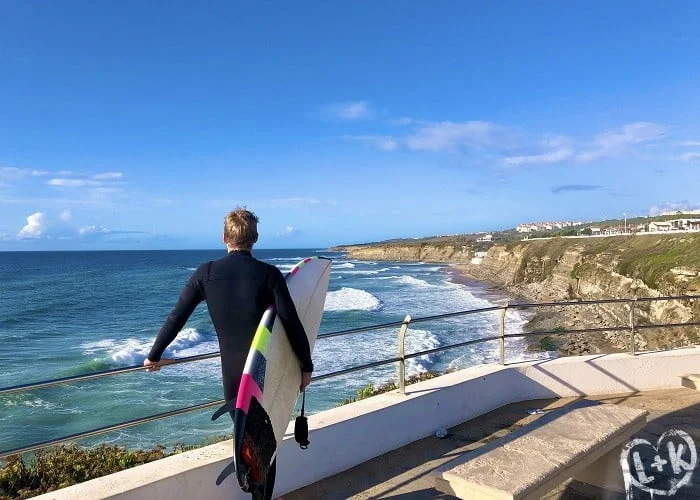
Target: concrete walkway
[404, 474]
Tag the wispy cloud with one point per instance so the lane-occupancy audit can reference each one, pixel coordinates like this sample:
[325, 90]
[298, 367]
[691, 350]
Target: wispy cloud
[66, 215]
[72, 183]
[92, 229]
[349, 110]
[288, 232]
[688, 144]
[385, 143]
[514, 148]
[573, 188]
[673, 206]
[690, 157]
[109, 176]
[554, 149]
[14, 173]
[618, 141]
[451, 136]
[35, 227]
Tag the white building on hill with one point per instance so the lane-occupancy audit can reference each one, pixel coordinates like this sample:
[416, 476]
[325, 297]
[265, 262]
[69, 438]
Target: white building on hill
[657, 227]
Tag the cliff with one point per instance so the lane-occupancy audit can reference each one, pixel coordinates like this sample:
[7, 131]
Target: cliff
[411, 252]
[582, 268]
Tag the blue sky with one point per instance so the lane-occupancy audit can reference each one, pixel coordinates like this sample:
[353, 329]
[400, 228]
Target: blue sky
[139, 124]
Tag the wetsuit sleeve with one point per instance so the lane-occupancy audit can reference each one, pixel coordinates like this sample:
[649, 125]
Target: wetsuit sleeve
[190, 296]
[287, 312]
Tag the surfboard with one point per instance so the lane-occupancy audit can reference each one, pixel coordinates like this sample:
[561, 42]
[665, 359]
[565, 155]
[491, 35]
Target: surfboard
[271, 378]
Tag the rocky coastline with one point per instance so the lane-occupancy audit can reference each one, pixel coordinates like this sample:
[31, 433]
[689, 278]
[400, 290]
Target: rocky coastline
[578, 270]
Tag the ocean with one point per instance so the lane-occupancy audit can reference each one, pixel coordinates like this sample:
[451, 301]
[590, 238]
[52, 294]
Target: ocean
[67, 313]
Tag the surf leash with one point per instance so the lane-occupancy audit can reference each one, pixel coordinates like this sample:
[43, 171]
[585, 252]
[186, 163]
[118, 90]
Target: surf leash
[301, 426]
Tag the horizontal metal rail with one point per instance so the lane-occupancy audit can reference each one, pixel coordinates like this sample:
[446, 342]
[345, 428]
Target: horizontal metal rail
[105, 373]
[600, 301]
[172, 413]
[451, 346]
[111, 428]
[375, 364]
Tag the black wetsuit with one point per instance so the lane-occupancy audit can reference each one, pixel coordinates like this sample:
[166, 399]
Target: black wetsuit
[238, 288]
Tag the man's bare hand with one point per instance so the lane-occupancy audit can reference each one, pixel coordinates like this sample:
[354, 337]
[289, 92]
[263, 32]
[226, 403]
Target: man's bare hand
[305, 380]
[154, 366]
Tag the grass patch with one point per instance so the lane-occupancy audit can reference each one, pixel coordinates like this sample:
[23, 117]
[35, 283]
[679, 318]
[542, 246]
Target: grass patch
[547, 344]
[650, 258]
[370, 390]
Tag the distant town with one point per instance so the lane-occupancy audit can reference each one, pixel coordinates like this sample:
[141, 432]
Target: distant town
[579, 228]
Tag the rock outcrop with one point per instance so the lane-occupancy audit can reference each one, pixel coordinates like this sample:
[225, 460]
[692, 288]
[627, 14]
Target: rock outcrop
[580, 269]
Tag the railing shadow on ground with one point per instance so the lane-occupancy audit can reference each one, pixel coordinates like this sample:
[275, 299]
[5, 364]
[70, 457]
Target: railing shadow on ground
[381, 477]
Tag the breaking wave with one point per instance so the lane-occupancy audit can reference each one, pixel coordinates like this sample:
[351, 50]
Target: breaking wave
[351, 299]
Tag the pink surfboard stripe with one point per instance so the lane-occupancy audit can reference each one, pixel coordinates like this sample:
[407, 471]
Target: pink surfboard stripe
[248, 389]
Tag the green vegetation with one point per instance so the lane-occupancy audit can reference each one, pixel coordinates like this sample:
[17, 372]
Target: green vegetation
[63, 466]
[649, 257]
[547, 344]
[545, 252]
[369, 390]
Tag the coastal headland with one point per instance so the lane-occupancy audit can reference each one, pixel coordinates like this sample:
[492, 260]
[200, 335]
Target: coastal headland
[571, 269]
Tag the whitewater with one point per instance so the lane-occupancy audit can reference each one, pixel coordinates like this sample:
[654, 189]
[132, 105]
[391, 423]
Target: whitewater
[66, 313]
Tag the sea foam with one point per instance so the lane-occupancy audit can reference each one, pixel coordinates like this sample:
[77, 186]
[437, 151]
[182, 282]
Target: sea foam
[351, 299]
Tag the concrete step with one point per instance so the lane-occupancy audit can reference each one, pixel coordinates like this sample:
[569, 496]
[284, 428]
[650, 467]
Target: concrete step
[691, 381]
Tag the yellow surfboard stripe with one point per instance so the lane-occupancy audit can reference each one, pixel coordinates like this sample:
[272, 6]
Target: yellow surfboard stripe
[261, 339]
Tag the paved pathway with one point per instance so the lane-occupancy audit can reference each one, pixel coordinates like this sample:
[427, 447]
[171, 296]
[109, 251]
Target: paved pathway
[404, 474]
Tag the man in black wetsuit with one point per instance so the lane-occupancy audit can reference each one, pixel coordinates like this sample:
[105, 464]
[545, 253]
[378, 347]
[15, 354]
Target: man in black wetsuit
[237, 288]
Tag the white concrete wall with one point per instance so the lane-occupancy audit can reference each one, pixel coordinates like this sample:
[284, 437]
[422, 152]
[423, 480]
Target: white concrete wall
[349, 435]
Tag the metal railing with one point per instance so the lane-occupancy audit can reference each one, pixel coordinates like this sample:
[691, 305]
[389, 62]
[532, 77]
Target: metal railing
[401, 358]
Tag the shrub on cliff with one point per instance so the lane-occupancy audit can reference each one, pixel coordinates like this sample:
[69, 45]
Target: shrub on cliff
[369, 390]
[62, 466]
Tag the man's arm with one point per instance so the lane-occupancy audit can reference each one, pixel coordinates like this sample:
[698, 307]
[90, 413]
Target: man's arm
[190, 296]
[287, 312]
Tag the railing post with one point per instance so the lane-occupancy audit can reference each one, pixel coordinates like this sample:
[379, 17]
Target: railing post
[633, 347]
[502, 333]
[402, 353]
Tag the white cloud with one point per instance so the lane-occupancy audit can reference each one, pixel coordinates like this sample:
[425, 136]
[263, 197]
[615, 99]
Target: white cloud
[551, 157]
[617, 142]
[688, 144]
[72, 183]
[450, 136]
[15, 174]
[351, 110]
[108, 176]
[689, 157]
[288, 232]
[36, 226]
[66, 215]
[560, 149]
[92, 229]
[673, 206]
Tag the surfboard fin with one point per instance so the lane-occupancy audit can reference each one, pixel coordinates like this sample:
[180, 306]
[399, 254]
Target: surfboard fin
[228, 470]
[229, 406]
